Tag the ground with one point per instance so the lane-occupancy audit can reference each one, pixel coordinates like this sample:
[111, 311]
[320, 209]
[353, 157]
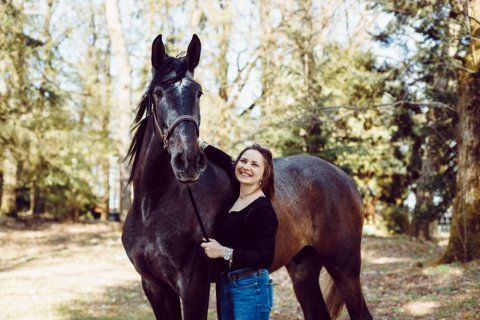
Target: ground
[80, 271]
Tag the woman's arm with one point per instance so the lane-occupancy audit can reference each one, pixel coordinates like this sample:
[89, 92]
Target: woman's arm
[225, 161]
[218, 156]
[264, 225]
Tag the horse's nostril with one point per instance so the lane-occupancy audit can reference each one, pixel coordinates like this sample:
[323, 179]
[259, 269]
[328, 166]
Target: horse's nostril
[201, 161]
[179, 161]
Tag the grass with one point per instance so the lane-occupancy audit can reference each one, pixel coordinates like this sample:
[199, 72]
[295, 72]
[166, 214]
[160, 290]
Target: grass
[126, 302]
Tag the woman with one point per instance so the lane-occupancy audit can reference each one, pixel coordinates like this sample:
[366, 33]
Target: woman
[246, 238]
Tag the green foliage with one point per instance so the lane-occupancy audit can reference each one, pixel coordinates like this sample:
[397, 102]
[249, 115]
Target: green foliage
[334, 112]
[54, 151]
[320, 93]
[424, 132]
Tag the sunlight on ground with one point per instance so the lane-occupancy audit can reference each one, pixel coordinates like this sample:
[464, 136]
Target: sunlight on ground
[420, 308]
[58, 265]
[444, 273]
[448, 272]
[386, 260]
[445, 269]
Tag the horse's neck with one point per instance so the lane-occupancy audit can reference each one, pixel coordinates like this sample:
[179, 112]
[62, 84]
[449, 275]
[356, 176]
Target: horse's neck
[156, 172]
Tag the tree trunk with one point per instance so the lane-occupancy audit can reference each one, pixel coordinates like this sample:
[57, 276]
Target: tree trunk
[150, 35]
[221, 71]
[38, 200]
[419, 228]
[464, 242]
[106, 101]
[123, 103]
[9, 204]
[266, 54]
[106, 189]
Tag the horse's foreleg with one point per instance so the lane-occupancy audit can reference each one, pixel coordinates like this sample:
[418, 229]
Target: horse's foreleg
[195, 297]
[165, 302]
[305, 278]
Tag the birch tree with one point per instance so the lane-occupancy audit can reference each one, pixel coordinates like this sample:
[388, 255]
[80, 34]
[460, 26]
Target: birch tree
[123, 97]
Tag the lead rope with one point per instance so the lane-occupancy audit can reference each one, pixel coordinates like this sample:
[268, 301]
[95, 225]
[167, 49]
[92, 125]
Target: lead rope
[197, 214]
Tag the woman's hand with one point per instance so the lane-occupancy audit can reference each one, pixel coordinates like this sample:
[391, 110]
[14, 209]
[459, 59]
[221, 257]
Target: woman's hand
[213, 249]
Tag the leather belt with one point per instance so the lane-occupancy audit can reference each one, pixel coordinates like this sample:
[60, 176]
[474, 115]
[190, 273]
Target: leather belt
[237, 275]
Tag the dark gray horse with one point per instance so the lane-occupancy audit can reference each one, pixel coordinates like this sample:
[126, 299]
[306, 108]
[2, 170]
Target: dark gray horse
[318, 207]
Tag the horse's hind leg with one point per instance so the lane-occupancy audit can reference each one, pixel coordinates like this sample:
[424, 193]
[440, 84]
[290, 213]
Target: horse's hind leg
[347, 281]
[164, 301]
[304, 270]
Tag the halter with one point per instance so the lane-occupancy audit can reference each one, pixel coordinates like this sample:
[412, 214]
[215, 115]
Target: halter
[165, 135]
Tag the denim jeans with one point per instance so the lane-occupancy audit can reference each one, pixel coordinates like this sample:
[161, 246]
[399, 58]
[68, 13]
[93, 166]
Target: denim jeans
[247, 298]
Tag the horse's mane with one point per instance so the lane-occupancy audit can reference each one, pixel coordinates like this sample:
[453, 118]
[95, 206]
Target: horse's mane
[171, 71]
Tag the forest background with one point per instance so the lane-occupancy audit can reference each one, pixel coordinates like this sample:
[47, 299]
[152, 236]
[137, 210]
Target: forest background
[386, 90]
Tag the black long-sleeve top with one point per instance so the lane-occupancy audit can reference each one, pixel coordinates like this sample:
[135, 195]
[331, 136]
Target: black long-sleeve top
[250, 231]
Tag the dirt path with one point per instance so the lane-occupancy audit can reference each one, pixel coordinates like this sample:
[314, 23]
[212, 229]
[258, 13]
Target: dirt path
[80, 271]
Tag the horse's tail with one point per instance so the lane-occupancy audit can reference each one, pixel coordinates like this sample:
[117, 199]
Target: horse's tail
[334, 300]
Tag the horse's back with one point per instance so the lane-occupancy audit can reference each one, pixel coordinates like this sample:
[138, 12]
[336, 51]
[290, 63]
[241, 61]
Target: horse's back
[317, 205]
[307, 179]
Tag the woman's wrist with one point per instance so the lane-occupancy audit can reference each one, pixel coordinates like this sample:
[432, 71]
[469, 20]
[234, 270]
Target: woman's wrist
[227, 253]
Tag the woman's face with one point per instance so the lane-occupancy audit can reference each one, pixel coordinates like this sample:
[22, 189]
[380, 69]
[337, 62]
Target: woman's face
[250, 168]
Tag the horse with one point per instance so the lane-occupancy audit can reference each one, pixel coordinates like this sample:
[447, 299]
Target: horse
[318, 207]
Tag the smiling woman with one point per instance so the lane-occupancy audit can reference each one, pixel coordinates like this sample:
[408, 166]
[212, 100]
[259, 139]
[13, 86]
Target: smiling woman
[246, 238]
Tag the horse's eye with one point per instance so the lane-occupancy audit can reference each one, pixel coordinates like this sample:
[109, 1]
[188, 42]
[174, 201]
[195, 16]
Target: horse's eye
[199, 94]
[158, 93]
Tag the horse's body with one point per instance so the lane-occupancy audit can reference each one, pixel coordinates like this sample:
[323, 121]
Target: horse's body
[318, 208]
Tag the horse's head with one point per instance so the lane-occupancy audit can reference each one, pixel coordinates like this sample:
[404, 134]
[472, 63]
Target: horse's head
[175, 102]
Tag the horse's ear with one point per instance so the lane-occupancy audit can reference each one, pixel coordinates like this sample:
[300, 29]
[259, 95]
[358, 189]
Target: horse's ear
[193, 53]
[158, 52]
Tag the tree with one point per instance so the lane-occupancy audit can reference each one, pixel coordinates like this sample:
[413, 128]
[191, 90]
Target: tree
[16, 48]
[41, 133]
[424, 117]
[124, 95]
[464, 241]
[95, 80]
[9, 184]
[319, 93]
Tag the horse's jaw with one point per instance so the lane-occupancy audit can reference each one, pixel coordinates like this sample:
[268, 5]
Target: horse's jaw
[189, 176]
[186, 179]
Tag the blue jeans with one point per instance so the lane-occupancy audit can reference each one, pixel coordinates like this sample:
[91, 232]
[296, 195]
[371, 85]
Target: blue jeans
[247, 298]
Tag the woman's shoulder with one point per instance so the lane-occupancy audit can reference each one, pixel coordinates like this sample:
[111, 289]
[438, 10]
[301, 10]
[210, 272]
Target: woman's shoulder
[264, 205]
[263, 201]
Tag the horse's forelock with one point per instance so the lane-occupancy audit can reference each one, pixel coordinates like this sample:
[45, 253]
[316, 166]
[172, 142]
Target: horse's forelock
[171, 71]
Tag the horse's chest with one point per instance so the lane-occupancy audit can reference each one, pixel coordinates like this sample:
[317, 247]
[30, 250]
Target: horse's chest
[160, 259]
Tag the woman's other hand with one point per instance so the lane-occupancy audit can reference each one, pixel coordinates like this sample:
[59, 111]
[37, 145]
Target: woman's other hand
[213, 249]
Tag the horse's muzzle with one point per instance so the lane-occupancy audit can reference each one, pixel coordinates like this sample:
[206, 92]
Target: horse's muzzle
[188, 168]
